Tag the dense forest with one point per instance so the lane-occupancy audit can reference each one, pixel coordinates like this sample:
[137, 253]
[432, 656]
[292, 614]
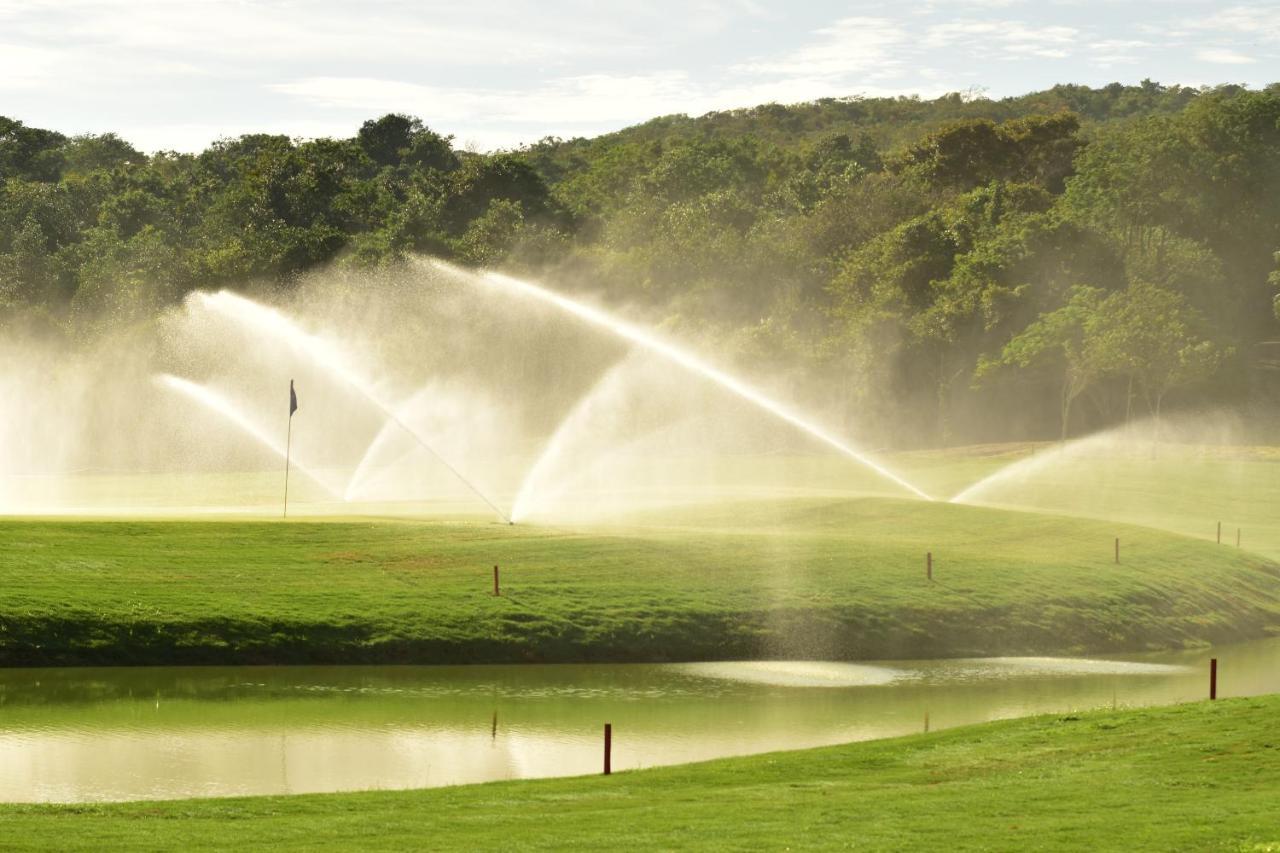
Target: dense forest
[1069, 259]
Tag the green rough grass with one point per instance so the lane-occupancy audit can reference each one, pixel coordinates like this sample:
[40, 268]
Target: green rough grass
[1198, 776]
[829, 578]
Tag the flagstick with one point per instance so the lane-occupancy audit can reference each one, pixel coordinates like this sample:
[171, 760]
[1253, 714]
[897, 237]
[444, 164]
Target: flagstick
[288, 446]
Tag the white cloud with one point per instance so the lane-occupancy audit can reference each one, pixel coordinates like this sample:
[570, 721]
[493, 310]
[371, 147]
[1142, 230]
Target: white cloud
[1260, 21]
[586, 100]
[23, 67]
[848, 46]
[1109, 52]
[1112, 45]
[1012, 38]
[950, 6]
[273, 32]
[1223, 56]
[712, 16]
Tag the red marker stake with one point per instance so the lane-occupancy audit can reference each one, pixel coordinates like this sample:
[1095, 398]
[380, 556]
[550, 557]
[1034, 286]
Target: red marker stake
[496, 590]
[608, 748]
[1213, 678]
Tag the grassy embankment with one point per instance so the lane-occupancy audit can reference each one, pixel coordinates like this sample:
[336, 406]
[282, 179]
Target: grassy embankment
[1200, 776]
[831, 578]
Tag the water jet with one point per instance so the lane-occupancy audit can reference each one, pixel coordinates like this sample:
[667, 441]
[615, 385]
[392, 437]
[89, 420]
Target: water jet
[678, 356]
[555, 446]
[330, 358]
[217, 403]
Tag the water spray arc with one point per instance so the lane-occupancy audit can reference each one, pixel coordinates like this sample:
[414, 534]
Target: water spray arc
[325, 355]
[1020, 469]
[364, 467]
[555, 446]
[366, 461]
[1024, 469]
[215, 402]
[687, 360]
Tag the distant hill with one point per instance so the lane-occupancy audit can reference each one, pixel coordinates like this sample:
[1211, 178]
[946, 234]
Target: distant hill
[888, 122]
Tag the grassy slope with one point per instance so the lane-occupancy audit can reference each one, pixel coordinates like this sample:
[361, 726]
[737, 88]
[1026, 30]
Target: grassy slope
[824, 578]
[1183, 488]
[1203, 775]
[1180, 493]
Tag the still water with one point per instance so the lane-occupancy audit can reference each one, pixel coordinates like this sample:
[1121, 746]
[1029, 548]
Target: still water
[121, 734]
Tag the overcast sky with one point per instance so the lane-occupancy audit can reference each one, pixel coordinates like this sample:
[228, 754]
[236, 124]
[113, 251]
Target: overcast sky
[178, 74]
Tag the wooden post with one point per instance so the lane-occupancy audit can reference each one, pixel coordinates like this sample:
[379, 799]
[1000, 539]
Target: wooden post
[1213, 678]
[608, 748]
[1219, 532]
[928, 565]
[1117, 549]
[496, 589]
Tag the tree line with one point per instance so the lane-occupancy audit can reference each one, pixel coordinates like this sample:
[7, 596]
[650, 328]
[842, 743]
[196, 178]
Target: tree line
[961, 268]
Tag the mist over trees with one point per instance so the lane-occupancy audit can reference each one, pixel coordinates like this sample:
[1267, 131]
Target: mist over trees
[1069, 259]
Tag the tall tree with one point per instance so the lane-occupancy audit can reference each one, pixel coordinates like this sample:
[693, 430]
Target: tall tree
[1149, 335]
[1059, 340]
[388, 139]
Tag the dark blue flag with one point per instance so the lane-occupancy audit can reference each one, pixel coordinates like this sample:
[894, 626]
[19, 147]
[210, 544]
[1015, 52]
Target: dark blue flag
[293, 399]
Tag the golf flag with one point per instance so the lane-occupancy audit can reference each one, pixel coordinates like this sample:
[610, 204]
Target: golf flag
[288, 444]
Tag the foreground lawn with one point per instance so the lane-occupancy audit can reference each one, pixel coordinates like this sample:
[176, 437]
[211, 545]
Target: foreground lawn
[1199, 776]
[819, 578]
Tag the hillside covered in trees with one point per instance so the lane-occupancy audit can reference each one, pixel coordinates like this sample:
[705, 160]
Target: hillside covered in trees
[1070, 258]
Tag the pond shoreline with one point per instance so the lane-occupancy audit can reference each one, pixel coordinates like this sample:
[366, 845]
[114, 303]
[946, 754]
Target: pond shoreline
[846, 635]
[120, 734]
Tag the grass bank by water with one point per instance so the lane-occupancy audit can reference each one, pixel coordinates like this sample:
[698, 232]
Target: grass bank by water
[820, 578]
[1198, 776]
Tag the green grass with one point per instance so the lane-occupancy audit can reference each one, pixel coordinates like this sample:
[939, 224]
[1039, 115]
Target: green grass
[1185, 489]
[1198, 776]
[823, 578]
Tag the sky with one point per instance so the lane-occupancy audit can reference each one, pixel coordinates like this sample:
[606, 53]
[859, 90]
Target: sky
[178, 74]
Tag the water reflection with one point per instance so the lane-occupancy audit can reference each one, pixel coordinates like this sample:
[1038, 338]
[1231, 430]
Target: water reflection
[112, 734]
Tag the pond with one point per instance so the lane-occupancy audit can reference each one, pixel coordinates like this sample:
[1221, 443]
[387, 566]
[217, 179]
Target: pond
[71, 735]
